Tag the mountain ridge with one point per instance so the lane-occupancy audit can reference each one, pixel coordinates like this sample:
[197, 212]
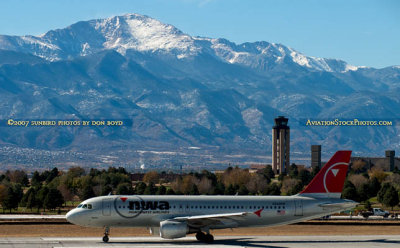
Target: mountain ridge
[181, 91]
[143, 33]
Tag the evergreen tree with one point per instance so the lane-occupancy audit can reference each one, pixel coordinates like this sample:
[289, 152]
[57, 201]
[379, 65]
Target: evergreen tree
[219, 189]
[296, 189]
[391, 197]
[231, 190]
[140, 188]
[269, 172]
[243, 190]
[305, 177]
[150, 189]
[293, 171]
[31, 201]
[374, 186]
[19, 192]
[52, 174]
[162, 190]
[274, 189]
[53, 199]
[349, 191]
[194, 190]
[382, 192]
[11, 200]
[170, 192]
[124, 189]
[36, 179]
[41, 196]
[105, 190]
[24, 200]
[87, 192]
[363, 192]
[315, 171]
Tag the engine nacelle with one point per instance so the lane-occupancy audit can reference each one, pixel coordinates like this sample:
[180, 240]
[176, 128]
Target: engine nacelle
[173, 229]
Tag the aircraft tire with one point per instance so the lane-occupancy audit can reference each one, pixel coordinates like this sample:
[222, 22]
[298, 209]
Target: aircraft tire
[105, 239]
[208, 238]
[200, 236]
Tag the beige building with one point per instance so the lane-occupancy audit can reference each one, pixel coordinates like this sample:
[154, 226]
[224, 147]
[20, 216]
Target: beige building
[280, 145]
[387, 163]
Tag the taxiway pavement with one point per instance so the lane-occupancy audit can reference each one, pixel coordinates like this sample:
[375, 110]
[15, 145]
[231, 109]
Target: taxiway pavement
[220, 241]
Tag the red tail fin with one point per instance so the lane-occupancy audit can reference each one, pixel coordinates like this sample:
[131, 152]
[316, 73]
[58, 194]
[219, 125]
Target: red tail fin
[330, 179]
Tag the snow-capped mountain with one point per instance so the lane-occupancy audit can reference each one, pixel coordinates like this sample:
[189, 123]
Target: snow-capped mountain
[182, 91]
[144, 34]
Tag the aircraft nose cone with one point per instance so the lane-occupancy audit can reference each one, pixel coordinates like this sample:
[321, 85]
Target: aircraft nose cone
[72, 216]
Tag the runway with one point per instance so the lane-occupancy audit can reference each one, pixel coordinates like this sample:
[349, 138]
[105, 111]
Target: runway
[220, 241]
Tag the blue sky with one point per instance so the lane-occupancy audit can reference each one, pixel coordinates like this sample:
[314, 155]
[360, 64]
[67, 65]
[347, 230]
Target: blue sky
[361, 32]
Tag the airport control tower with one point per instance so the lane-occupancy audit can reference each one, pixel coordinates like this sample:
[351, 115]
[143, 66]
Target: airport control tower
[280, 145]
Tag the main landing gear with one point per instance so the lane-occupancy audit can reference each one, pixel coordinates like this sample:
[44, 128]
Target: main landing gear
[106, 232]
[204, 237]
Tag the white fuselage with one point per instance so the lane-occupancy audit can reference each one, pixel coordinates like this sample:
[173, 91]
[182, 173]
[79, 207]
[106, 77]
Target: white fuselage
[149, 211]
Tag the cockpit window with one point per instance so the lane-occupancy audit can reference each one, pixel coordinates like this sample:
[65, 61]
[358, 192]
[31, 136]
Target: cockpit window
[86, 206]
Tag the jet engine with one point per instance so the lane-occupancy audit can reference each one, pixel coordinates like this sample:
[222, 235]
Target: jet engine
[173, 229]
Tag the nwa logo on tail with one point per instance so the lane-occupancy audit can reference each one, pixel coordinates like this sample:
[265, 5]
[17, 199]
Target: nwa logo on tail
[329, 181]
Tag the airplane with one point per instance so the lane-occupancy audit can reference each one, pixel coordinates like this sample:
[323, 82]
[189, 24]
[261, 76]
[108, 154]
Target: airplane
[171, 217]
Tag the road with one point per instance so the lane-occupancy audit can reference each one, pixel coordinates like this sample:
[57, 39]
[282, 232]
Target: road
[221, 241]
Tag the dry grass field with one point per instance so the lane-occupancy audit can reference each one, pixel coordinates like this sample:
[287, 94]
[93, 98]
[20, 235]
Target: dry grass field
[51, 230]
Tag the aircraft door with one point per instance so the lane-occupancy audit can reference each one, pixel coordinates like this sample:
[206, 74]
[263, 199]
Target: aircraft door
[107, 207]
[298, 207]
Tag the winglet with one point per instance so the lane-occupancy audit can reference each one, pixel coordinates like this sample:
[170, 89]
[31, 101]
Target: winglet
[258, 212]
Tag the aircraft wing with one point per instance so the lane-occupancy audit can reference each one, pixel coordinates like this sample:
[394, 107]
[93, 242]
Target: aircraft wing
[338, 205]
[228, 220]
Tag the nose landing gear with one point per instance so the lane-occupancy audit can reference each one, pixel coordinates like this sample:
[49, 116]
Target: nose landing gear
[204, 237]
[106, 232]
